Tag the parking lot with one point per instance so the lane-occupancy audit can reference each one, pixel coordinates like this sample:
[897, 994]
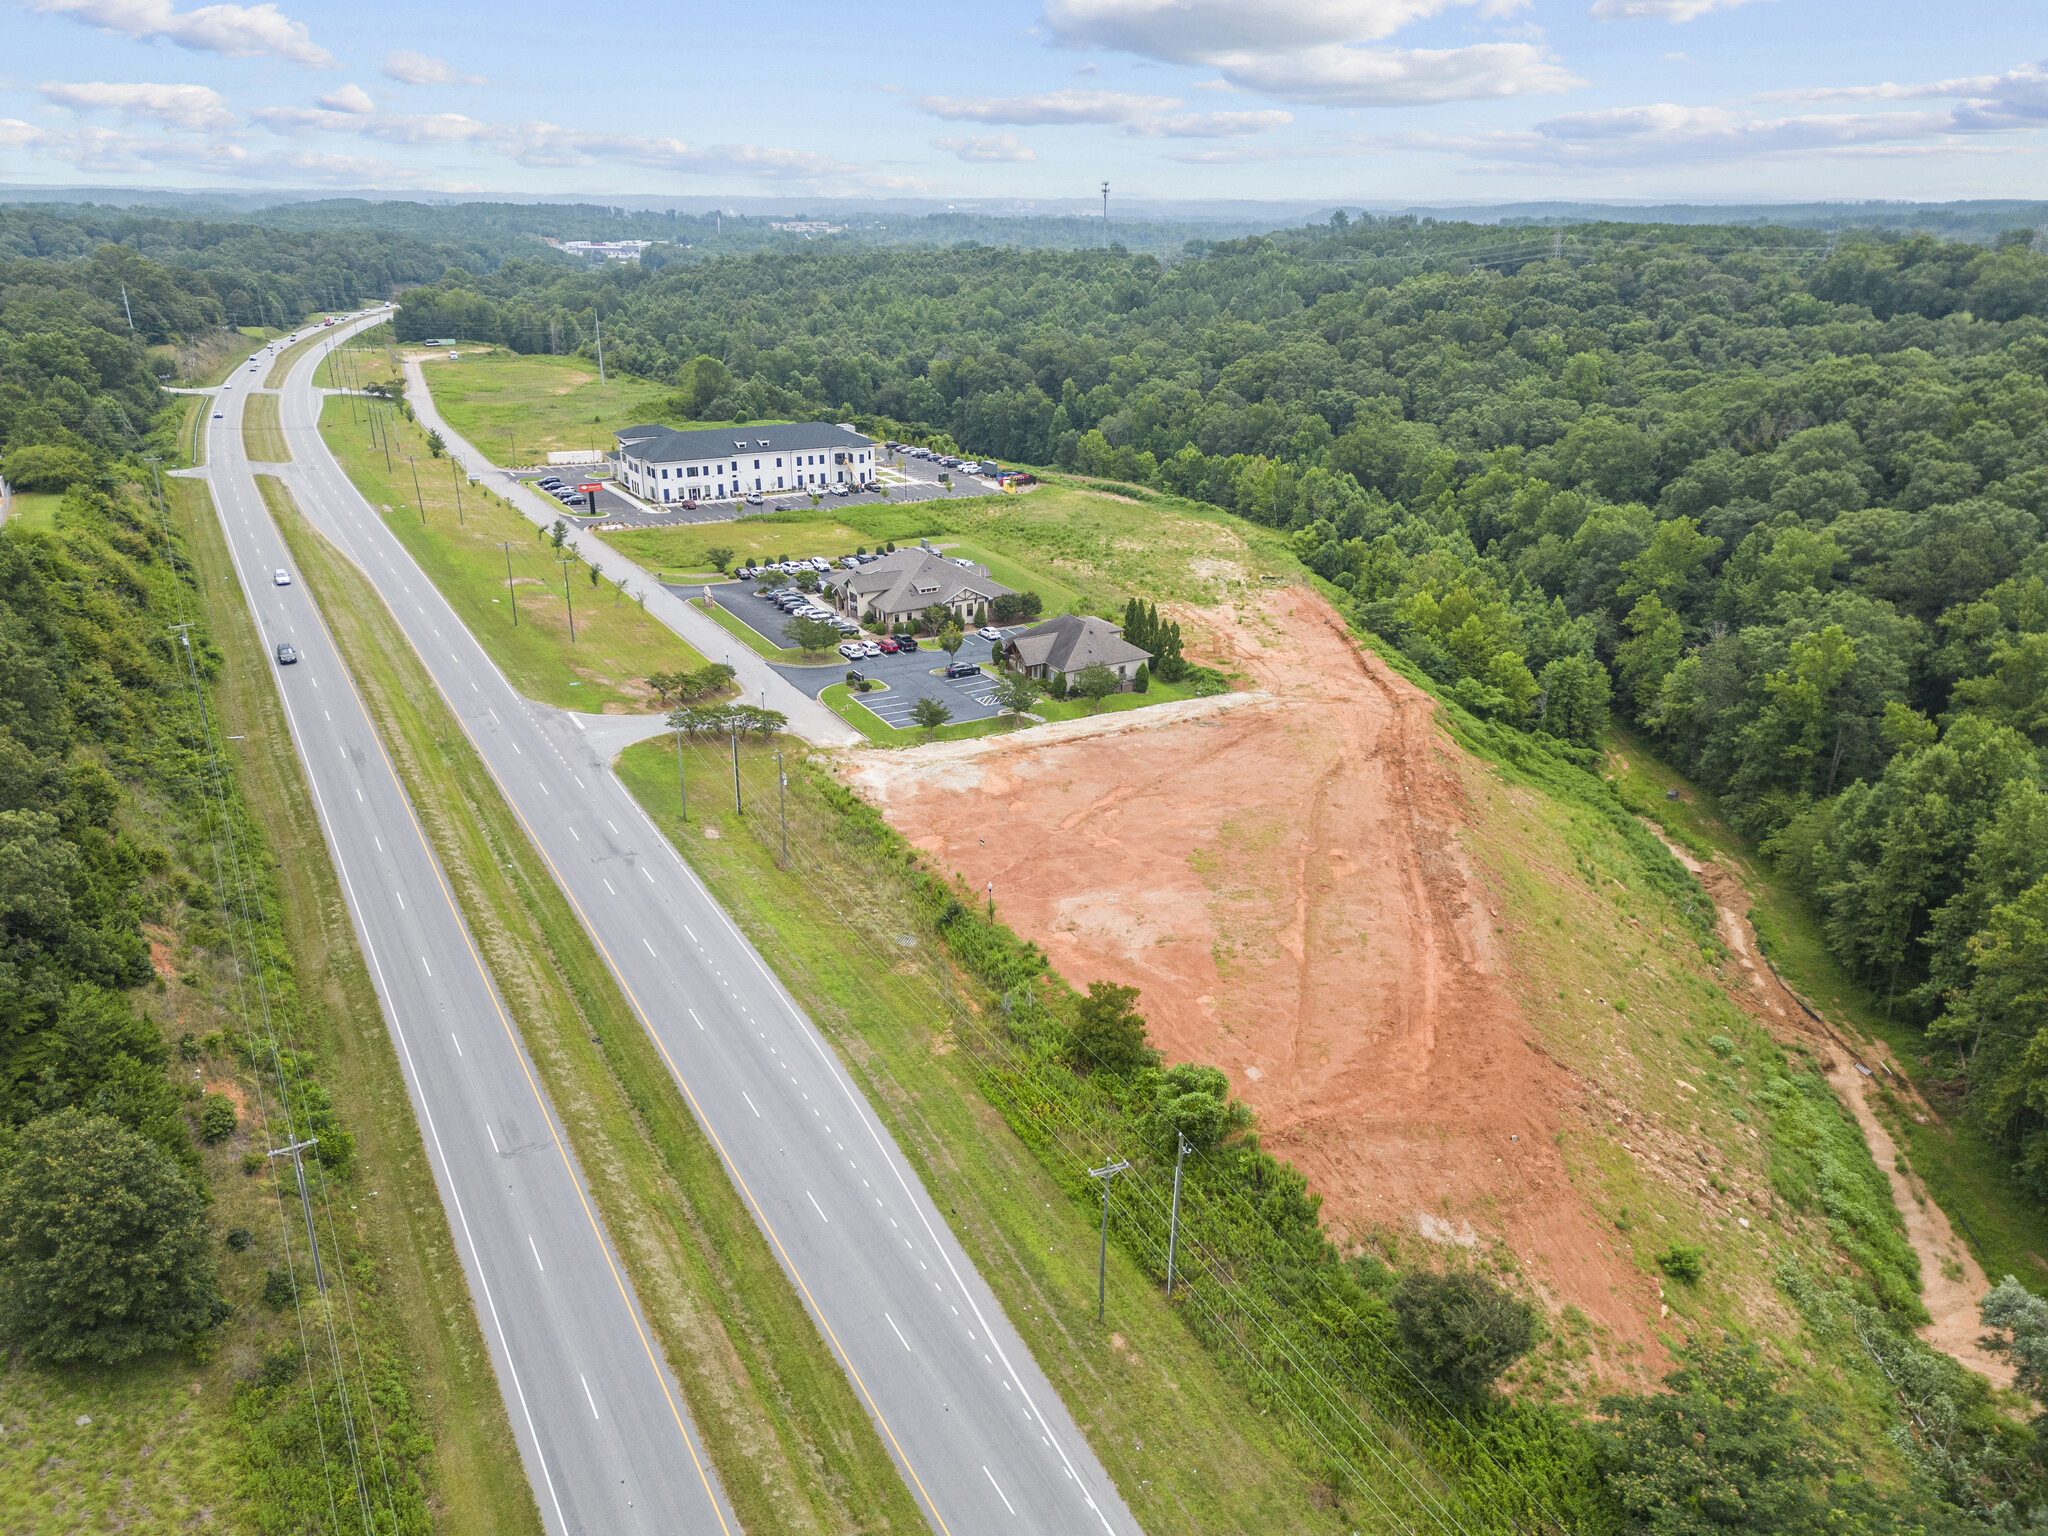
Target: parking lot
[911, 480]
[910, 677]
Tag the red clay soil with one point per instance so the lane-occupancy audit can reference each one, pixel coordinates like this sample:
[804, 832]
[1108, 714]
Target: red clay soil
[1283, 883]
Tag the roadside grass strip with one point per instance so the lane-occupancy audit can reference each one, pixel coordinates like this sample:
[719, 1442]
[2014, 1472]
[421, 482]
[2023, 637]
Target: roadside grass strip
[794, 1449]
[262, 432]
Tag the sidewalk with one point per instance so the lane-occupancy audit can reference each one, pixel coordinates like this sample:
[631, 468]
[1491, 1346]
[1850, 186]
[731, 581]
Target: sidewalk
[757, 680]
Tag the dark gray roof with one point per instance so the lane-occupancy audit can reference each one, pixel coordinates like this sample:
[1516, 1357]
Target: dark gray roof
[1073, 641]
[665, 445]
[910, 580]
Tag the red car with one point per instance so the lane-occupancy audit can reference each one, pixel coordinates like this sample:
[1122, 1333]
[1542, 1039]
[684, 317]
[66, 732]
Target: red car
[889, 647]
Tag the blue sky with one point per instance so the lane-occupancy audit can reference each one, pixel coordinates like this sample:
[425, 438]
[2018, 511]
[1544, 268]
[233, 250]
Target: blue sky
[1341, 101]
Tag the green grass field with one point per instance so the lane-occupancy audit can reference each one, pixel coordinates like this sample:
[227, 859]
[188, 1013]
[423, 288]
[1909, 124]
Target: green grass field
[794, 1448]
[263, 433]
[366, 359]
[519, 409]
[465, 554]
[1964, 1172]
[36, 510]
[1186, 1447]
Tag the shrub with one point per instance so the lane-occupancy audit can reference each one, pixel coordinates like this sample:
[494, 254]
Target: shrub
[1460, 1331]
[103, 1250]
[217, 1118]
[1683, 1261]
[1108, 1033]
[241, 1239]
[278, 1290]
[41, 467]
[1141, 681]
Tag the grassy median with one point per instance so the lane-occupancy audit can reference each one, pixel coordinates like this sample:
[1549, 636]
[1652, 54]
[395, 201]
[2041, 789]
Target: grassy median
[263, 433]
[467, 543]
[793, 1447]
[420, 1301]
[1186, 1446]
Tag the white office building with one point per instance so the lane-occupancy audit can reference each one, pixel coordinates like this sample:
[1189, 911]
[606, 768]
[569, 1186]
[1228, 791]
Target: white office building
[720, 463]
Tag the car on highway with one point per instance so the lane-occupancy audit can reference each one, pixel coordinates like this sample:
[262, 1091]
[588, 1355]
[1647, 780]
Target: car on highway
[216, 415]
[283, 578]
[286, 656]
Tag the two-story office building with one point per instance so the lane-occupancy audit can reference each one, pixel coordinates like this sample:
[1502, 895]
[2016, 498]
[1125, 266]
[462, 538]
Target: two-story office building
[721, 463]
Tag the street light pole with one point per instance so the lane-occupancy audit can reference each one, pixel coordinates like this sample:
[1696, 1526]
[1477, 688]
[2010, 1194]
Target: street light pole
[1173, 1221]
[1105, 1173]
[299, 1167]
[511, 591]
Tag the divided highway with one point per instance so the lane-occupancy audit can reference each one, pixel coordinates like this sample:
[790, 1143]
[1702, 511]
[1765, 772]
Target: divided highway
[978, 1433]
[598, 1417]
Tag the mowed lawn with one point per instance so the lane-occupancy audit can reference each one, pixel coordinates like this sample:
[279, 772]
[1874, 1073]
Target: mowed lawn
[518, 409]
[617, 646]
[262, 431]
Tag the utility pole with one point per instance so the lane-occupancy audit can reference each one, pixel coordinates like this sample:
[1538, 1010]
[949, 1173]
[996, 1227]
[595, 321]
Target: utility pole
[1173, 1221]
[991, 901]
[737, 808]
[682, 785]
[598, 322]
[782, 802]
[417, 493]
[1105, 1173]
[385, 434]
[456, 469]
[511, 591]
[1105, 213]
[127, 309]
[306, 1201]
[569, 596]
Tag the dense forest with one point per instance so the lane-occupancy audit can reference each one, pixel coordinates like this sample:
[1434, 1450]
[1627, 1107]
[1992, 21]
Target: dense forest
[1776, 497]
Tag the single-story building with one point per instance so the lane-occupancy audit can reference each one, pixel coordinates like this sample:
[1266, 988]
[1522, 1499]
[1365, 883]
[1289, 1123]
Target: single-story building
[715, 463]
[904, 584]
[1068, 645]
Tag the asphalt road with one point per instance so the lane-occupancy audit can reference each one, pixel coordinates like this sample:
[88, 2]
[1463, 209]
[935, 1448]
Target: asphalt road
[598, 1418]
[981, 1438]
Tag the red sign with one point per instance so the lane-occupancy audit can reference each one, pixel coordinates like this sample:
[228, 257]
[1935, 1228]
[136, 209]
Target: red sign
[588, 487]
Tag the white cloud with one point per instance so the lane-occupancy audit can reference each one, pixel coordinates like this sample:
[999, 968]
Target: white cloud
[1673, 11]
[193, 108]
[1068, 106]
[2019, 94]
[1208, 125]
[988, 148]
[350, 98]
[1312, 50]
[1194, 31]
[1398, 77]
[409, 68]
[104, 151]
[232, 31]
[1667, 135]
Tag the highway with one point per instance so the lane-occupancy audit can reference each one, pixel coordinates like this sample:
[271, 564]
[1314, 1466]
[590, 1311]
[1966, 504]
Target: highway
[980, 1437]
[598, 1417]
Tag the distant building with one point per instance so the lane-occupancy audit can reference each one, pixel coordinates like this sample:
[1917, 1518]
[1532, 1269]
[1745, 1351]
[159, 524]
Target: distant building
[807, 227]
[905, 584]
[1068, 645]
[717, 463]
[609, 250]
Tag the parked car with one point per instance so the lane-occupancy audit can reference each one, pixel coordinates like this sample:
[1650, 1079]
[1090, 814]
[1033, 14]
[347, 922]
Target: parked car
[870, 649]
[851, 650]
[286, 656]
[962, 669]
[989, 633]
[836, 490]
[889, 647]
[283, 578]
[689, 503]
[908, 643]
[753, 498]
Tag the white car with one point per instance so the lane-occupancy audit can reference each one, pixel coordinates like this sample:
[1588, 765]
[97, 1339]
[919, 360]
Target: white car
[989, 633]
[871, 649]
[216, 415]
[283, 578]
[852, 650]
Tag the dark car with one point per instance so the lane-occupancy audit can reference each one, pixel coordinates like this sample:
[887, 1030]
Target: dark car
[907, 643]
[286, 655]
[963, 669]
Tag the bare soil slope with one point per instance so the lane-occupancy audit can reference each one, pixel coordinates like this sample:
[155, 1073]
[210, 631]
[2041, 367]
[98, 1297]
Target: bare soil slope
[1285, 882]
